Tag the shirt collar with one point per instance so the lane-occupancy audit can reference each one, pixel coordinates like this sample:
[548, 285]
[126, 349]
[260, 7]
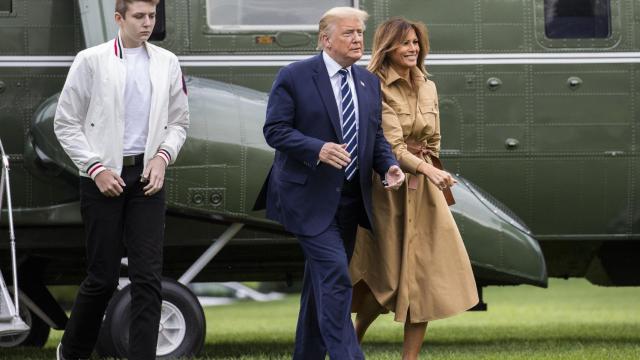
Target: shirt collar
[332, 66]
[393, 76]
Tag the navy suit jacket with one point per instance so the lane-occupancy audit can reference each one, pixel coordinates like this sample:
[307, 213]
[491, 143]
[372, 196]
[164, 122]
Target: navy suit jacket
[302, 115]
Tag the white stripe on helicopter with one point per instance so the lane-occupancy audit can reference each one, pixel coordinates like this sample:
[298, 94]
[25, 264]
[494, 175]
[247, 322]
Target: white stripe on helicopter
[433, 59]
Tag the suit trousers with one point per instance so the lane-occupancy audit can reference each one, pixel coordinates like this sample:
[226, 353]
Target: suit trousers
[324, 322]
[132, 221]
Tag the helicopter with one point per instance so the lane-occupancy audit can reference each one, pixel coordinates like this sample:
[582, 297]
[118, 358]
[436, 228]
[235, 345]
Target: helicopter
[540, 127]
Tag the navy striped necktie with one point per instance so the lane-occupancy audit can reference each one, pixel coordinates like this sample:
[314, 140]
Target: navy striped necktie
[349, 128]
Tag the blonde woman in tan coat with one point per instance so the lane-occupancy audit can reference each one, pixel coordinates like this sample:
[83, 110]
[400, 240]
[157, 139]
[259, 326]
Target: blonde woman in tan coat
[416, 265]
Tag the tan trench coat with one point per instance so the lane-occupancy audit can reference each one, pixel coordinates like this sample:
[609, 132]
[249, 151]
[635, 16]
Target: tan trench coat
[417, 262]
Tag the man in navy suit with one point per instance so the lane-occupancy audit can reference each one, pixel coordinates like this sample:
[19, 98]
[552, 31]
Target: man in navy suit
[323, 119]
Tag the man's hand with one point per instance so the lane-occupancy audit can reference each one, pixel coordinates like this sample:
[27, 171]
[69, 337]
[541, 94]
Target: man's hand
[154, 174]
[335, 155]
[109, 183]
[394, 178]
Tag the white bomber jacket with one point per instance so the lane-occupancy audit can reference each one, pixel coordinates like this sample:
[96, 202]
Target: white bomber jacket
[89, 120]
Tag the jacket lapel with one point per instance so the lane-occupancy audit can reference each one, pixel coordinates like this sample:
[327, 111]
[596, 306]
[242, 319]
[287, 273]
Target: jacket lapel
[323, 84]
[363, 109]
[119, 72]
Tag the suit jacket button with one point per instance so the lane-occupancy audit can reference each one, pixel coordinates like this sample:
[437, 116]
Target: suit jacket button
[338, 189]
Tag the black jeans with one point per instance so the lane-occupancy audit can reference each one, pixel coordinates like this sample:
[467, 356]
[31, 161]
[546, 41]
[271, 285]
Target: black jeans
[132, 221]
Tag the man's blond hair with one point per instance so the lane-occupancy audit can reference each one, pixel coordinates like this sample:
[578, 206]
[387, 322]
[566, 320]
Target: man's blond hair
[329, 19]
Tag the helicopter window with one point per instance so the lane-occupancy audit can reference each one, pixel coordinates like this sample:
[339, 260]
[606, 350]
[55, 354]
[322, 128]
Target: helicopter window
[268, 15]
[577, 19]
[159, 31]
[6, 6]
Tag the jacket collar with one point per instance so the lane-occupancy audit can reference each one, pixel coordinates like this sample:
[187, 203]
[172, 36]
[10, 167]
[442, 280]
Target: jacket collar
[118, 47]
[318, 63]
[332, 66]
[323, 84]
[392, 76]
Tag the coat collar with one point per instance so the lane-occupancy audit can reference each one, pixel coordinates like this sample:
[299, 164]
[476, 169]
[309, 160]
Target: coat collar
[332, 66]
[392, 76]
[363, 108]
[323, 83]
[118, 47]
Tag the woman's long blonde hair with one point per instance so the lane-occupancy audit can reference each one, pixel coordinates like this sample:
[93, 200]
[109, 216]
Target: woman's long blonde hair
[389, 36]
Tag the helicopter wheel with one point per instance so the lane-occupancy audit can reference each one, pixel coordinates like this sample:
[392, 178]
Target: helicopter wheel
[181, 330]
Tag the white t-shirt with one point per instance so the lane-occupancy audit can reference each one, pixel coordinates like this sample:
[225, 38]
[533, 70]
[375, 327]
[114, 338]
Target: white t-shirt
[137, 100]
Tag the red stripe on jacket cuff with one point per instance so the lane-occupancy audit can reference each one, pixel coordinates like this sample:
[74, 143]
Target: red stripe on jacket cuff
[94, 168]
[164, 157]
[166, 153]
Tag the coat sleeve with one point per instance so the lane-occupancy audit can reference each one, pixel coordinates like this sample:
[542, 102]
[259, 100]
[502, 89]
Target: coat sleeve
[178, 115]
[279, 128]
[71, 115]
[383, 157]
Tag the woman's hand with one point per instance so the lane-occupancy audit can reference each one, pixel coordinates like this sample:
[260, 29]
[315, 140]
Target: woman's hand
[439, 178]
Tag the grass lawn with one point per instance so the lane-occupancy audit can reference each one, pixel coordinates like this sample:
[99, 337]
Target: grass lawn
[569, 320]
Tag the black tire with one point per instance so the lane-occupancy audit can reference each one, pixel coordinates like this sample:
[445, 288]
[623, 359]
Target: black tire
[182, 307]
[37, 335]
[104, 345]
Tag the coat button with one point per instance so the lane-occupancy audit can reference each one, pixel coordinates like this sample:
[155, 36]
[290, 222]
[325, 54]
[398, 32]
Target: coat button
[92, 124]
[338, 189]
[165, 128]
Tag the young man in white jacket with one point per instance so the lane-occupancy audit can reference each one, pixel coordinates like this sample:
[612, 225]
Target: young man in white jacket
[122, 118]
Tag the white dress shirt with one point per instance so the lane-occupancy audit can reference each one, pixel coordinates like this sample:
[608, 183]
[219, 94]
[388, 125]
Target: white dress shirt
[336, 79]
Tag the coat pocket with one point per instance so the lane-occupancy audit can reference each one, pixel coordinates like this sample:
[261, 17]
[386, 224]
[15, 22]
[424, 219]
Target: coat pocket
[293, 177]
[405, 117]
[294, 172]
[402, 109]
[428, 107]
[429, 113]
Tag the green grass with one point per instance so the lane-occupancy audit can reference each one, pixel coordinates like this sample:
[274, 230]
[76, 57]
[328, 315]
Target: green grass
[570, 320]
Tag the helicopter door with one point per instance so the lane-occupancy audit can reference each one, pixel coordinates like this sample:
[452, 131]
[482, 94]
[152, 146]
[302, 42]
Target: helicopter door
[583, 114]
[97, 21]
